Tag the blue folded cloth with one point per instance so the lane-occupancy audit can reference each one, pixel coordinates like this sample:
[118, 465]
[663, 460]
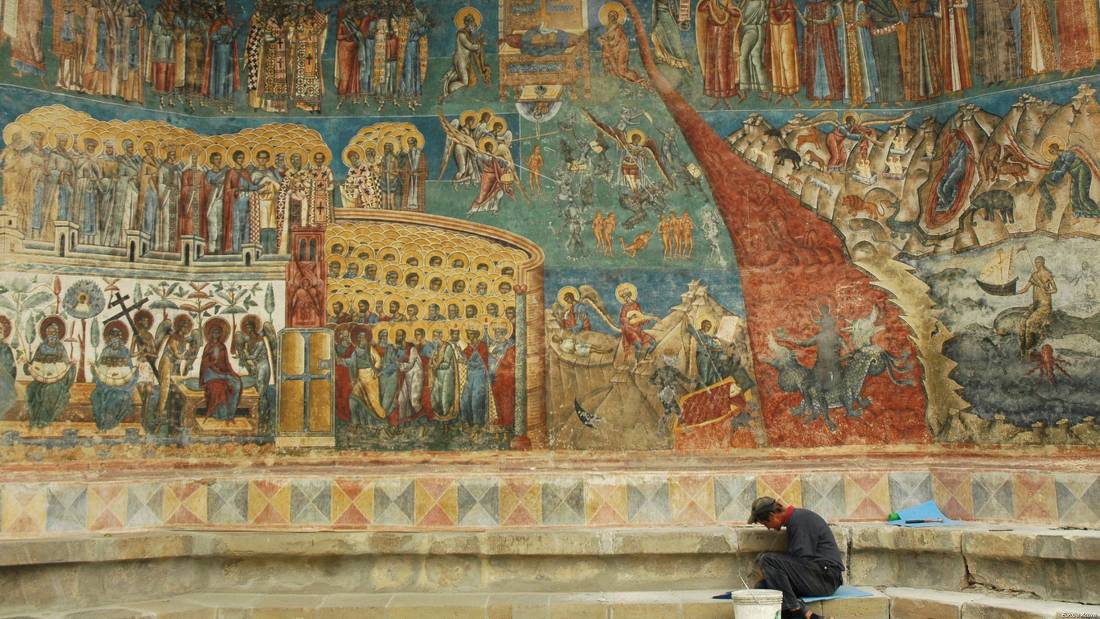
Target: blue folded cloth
[845, 591]
[924, 511]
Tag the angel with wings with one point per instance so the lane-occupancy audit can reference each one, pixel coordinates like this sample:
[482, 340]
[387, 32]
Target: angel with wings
[636, 151]
[255, 347]
[1061, 162]
[495, 166]
[855, 127]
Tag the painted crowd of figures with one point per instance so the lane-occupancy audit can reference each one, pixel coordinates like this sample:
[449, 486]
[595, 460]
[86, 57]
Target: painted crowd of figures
[108, 188]
[188, 51]
[433, 370]
[136, 376]
[861, 51]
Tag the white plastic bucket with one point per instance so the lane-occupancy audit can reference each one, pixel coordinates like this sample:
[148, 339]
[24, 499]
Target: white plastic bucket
[757, 604]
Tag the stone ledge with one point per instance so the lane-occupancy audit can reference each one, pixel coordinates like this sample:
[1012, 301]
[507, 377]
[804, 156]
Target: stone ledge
[908, 603]
[892, 603]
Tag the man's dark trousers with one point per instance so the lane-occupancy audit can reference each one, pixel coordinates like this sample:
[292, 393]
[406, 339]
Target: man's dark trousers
[796, 578]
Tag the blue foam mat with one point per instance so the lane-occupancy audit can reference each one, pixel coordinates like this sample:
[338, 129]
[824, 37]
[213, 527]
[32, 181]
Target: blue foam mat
[924, 511]
[845, 591]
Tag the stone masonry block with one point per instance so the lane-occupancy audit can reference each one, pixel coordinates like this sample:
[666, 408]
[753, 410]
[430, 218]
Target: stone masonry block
[926, 603]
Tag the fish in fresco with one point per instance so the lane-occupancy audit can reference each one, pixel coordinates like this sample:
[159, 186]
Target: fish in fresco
[1011, 321]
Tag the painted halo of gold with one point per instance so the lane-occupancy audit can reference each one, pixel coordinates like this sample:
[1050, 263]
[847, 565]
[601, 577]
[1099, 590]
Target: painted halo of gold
[460, 16]
[706, 317]
[561, 294]
[389, 249]
[501, 323]
[98, 143]
[11, 129]
[606, 9]
[458, 254]
[1048, 143]
[392, 298]
[467, 114]
[243, 149]
[483, 141]
[215, 148]
[416, 135]
[633, 132]
[626, 287]
[392, 268]
[338, 260]
[351, 148]
[340, 297]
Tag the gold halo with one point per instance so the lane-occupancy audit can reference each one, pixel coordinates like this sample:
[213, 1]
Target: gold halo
[706, 318]
[467, 114]
[98, 140]
[347, 151]
[471, 324]
[196, 149]
[162, 150]
[334, 298]
[51, 138]
[451, 258]
[323, 151]
[392, 298]
[215, 148]
[11, 129]
[1051, 141]
[255, 150]
[339, 260]
[630, 136]
[561, 294]
[381, 254]
[386, 270]
[607, 8]
[393, 140]
[486, 140]
[243, 149]
[416, 135]
[449, 282]
[501, 323]
[460, 16]
[626, 287]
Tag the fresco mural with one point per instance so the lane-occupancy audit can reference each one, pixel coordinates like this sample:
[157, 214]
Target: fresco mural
[678, 225]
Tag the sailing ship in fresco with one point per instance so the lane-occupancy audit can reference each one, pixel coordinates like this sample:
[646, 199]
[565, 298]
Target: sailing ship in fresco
[996, 276]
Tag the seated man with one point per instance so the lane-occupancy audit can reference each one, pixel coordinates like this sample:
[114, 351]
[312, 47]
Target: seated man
[812, 565]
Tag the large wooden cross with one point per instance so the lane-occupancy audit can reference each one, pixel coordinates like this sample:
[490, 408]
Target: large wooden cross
[124, 312]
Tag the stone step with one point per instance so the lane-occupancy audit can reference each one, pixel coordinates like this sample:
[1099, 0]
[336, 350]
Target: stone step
[69, 571]
[908, 603]
[892, 603]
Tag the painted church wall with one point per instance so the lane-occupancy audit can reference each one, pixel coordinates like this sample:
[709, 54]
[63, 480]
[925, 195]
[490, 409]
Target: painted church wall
[390, 226]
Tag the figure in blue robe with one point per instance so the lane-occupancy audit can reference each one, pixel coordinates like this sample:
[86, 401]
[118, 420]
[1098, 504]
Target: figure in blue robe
[387, 378]
[45, 401]
[947, 190]
[475, 393]
[111, 404]
[411, 84]
[7, 370]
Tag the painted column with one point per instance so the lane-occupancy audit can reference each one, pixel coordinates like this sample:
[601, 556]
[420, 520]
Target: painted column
[520, 440]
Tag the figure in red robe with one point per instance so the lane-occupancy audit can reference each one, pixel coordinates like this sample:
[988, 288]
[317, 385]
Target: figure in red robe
[821, 72]
[347, 54]
[632, 320]
[496, 181]
[719, 48]
[219, 381]
[194, 193]
[345, 359]
[502, 368]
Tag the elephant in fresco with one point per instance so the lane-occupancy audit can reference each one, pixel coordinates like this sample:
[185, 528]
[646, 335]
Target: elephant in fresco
[836, 381]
